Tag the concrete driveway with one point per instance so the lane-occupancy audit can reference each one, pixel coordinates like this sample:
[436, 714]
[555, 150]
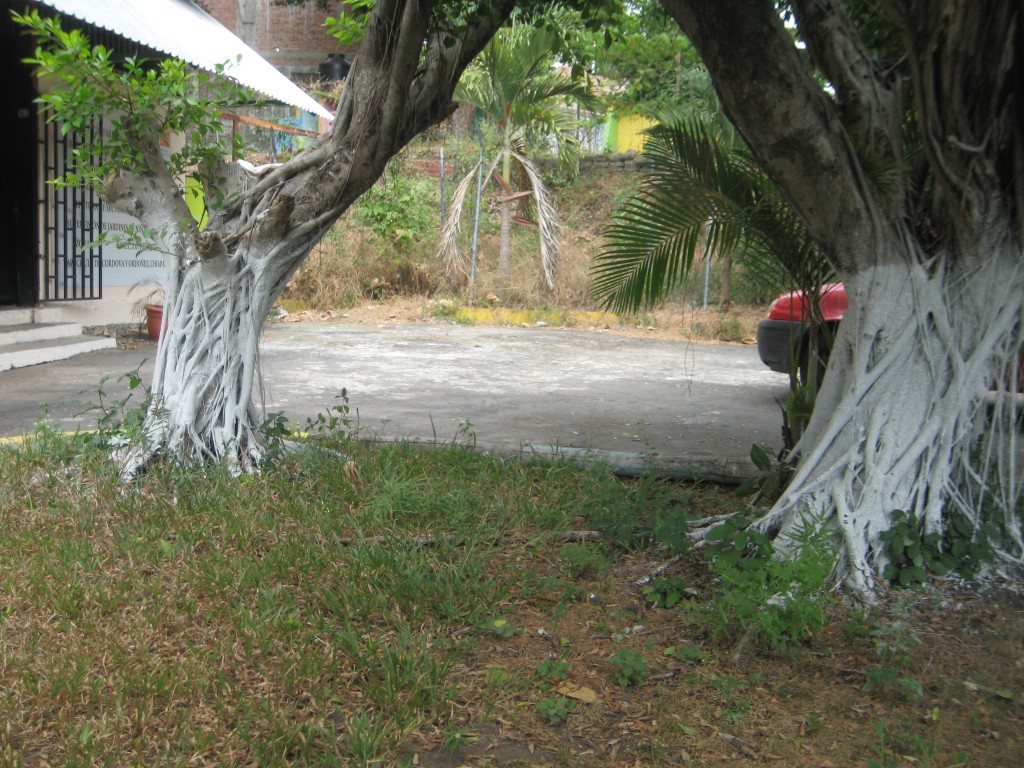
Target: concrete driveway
[683, 404]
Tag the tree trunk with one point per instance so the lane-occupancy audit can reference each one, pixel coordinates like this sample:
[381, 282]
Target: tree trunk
[505, 247]
[896, 424]
[930, 252]
[207, 362]
[223, 281]
[725, 283]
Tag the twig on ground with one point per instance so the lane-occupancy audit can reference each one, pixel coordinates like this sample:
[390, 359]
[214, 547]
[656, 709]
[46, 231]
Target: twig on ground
[567, 537]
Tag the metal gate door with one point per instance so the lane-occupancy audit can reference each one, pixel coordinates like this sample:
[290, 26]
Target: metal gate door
[72, 220]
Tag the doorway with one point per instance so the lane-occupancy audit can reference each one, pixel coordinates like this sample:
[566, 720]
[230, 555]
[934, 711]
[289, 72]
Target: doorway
[19, 205]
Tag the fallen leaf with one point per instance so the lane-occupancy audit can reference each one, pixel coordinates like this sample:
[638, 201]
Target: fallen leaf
[578, 692]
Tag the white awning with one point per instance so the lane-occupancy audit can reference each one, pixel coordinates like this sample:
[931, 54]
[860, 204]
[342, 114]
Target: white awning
[185, 31]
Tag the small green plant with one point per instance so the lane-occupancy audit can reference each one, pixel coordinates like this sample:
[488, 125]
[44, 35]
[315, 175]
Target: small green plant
[449, 311]
[667, 591]
[884, 755]
[887, 679]
[119, 418]
[556, 709]
[913, 554]
[780, 600]
[585, 560]
[767, 487]
[894, 640]
[453, 739]
[334, 423]
[735, 704]
[554, 670]
[501, 628]
[689, 654]
[630, 667]
[653, 510]
[813, 723]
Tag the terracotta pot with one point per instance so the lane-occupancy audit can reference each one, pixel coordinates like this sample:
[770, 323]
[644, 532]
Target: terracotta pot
[154, 320]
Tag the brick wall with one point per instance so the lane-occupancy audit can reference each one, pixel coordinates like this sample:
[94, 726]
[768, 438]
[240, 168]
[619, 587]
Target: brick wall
[291, 37]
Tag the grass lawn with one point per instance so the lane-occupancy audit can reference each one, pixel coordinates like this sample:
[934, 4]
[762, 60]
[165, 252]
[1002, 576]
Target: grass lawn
[395, 606]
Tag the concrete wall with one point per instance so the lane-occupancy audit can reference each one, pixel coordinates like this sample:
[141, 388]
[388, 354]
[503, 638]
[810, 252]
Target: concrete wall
[629, 161]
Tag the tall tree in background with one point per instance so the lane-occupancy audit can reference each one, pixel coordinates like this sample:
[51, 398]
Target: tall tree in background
[655, 69]
[516, 87]
[932, 262]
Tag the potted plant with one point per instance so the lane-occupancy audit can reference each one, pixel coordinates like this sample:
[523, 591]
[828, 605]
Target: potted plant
[154, 320]
[151, 308]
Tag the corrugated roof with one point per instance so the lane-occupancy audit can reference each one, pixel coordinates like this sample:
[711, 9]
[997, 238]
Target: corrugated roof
[185, 31]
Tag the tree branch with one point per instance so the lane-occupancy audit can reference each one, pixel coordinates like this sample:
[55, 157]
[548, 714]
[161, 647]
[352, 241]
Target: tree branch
[770, 94]
[966, 64]
[870, 108]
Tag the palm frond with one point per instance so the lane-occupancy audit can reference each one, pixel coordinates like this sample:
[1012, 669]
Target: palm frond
[701, 197]
[547, 220]
[456, 265]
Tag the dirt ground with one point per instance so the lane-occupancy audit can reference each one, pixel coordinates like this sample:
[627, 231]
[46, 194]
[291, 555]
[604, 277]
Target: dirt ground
[831, 703]
[666, 323]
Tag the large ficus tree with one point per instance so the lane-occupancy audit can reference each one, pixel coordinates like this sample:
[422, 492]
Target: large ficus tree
[224, 279]
[931, 259]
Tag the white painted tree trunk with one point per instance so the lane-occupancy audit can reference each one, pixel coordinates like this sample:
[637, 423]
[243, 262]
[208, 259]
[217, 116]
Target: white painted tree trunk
[896, 424]
[201, 407]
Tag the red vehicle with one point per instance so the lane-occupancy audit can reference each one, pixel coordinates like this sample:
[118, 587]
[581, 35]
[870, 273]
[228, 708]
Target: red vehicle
[782, 338]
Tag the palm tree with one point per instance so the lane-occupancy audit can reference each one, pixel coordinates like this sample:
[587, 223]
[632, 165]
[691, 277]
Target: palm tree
[516, 87]
[702, 196]
[705, 196]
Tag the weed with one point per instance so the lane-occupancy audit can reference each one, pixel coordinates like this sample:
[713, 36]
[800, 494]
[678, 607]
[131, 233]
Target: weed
[884, 756]
[914, 553]
[120, 418]
[735, 706]
[689, 654]
[630, 667]
[780, 600]
[553, 670]
[501, 682]
[764, 489]
[334, 423]
[556, 709]
[501, 628]
[368, 738]
[894, 640]
[585, 560]
[813, 723]
[454, 739]
[667, 591]
[449, 311]
[889, 680]
[653, 510]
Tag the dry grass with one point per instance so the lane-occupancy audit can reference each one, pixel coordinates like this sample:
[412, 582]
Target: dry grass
[202, 620]
[356, 272]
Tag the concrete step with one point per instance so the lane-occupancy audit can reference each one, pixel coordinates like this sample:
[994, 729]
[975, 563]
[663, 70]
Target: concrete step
[25, 315]
[16, 316]
[22, 333]
[23, 354]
